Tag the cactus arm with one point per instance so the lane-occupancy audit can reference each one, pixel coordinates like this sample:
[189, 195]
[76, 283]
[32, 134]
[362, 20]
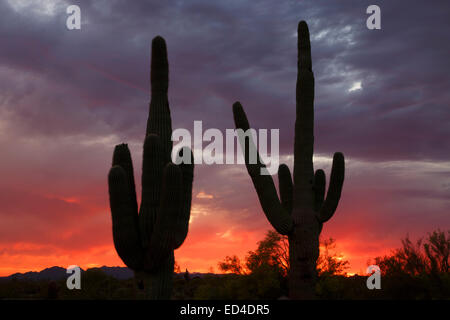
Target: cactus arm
[241, 122]
[122, 157]
[335, 188]
[265, 188]
[124, 219]
[319, 189]
[286, 187]
[182, 223]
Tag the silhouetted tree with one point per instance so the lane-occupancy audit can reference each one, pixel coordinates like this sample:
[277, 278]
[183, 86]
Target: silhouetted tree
[418, 270]
[330, 262]
[422, 257]
[231, 264]
[437, 251]
[273, 251]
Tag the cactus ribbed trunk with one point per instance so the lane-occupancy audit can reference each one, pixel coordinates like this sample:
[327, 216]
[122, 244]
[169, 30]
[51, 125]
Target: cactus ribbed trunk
[303, 255]
[302, 208]
[156, 285]
[146, 241]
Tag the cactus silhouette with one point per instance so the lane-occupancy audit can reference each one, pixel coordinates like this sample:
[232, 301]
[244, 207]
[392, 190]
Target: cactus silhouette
[303, 208]
[146, 241]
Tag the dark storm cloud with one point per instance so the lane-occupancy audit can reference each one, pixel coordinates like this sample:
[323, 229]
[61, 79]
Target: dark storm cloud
[226, 51]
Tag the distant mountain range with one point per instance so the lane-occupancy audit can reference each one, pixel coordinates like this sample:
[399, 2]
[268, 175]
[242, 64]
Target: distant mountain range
[58, 273]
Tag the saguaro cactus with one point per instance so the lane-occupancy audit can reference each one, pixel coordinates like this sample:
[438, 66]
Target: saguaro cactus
[146, 241]
[303, 208]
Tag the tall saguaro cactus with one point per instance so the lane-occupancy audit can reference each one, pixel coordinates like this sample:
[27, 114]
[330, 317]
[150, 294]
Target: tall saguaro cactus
[146, 241]
[303, 207]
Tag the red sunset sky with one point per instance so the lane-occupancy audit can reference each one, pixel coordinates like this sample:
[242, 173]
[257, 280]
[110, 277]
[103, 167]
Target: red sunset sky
[68, 97]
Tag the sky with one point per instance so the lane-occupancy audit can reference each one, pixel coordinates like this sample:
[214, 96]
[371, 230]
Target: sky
[69, 96]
